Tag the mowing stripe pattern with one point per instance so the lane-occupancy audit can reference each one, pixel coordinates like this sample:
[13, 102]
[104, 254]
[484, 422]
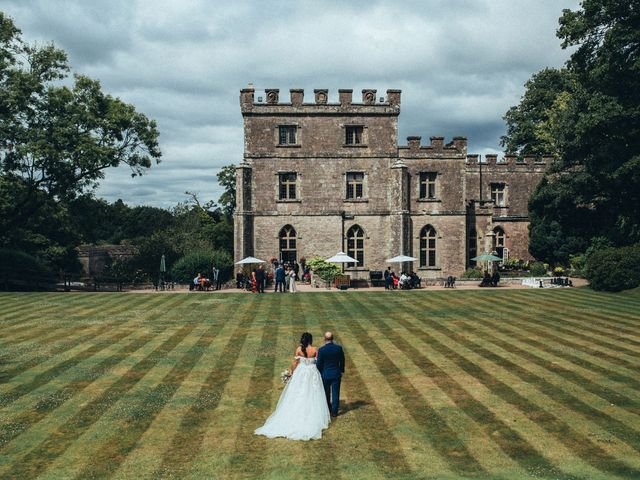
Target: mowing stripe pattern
[505, 385]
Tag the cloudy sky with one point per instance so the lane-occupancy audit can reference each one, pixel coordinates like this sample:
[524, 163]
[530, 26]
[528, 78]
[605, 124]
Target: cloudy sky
[460, 65]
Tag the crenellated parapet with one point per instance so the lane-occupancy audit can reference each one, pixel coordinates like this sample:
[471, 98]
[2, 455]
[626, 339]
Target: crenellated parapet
[436, 148]
[270, 102]
[509, 162]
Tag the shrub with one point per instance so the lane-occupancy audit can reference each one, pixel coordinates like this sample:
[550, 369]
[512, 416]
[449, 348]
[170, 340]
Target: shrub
[21, 271]
[472, 273]
[538, 269]
[187, 267]
[558, 271]
[577, 264]
[326, 271]
[614, 269]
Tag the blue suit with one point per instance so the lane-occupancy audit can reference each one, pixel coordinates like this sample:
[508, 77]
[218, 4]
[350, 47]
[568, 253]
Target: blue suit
[279, 278]
[330, 363]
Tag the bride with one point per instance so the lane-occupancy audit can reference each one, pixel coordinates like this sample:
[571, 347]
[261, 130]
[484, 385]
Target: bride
[302, 412]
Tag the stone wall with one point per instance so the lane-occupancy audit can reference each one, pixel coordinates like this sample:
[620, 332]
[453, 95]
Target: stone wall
[390, 211]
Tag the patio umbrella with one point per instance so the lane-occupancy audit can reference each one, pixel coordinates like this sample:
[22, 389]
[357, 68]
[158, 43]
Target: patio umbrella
[341, 257]
[163, 265]
[249, 260]
[401, 259]
[486, 257]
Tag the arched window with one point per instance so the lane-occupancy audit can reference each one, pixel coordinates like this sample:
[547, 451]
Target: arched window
[355, 244]
[428, 245]
[498, 240]
[473, 246]
[288, 244]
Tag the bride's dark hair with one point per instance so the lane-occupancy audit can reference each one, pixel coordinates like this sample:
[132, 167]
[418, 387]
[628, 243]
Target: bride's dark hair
[305, 340]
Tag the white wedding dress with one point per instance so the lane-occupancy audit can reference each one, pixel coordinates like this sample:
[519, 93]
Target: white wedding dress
[302, 412]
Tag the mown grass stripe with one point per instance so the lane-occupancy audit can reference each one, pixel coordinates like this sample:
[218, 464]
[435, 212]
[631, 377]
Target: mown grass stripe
[612, 397]
[547, 330]
[55, 370]
[508, 440]
[51, 325]
[611, 303]
[606, 393]
[15, 313]
[23, 302]
[604, 318]
[186, 443]
[564, 354]
[609, 424]
[24, 318]
[582, 446]
[47, 404]
[69, 341]
[39, 459]
[324, 457]
[108, 459]
[257, 403]
[383, 448]
[568, 319]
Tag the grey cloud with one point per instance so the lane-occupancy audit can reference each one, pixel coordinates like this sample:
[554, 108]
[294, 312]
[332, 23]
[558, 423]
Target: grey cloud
[460, 63]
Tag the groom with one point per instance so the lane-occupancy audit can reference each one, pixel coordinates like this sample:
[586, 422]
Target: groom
[330, 363]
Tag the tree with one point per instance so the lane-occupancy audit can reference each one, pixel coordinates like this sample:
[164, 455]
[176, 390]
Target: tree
[56, 141]
[227, 178]
[588, 115]
[60, 139]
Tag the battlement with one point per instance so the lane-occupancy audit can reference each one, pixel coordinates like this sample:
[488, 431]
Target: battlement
[492, 160]
[437, 145]
[270, 102]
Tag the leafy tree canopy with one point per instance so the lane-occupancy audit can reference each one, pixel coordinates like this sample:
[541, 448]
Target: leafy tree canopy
[588, 115]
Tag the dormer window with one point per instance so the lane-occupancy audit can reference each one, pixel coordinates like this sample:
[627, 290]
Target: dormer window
[287, 134]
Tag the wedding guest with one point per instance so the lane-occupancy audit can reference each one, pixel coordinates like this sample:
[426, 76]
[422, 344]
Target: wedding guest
[279, 278]
[239, 279]
[287, 278]
[260, 279]
[292, 281]
[387, 278]
[215, 274]
[296, 270]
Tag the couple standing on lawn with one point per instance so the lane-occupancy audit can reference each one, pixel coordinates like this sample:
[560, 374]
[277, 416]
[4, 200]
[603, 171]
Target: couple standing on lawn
[312, 394]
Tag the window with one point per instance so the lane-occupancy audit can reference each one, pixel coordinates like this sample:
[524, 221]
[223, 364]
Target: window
[287, 134]
[287, 185]
[355, 185]
[498, 240]
[354, 135]
[498, 194]
[473, 246]
[428, 185]
[428, 246]
[355, 244]
[288, 244]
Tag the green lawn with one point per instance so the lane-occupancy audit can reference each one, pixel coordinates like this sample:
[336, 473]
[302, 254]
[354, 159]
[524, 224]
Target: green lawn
[449, 384]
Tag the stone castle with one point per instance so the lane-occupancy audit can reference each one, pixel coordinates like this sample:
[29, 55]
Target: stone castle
[320, 177]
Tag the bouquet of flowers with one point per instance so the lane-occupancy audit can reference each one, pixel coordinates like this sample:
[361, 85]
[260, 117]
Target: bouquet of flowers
[285, 376]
